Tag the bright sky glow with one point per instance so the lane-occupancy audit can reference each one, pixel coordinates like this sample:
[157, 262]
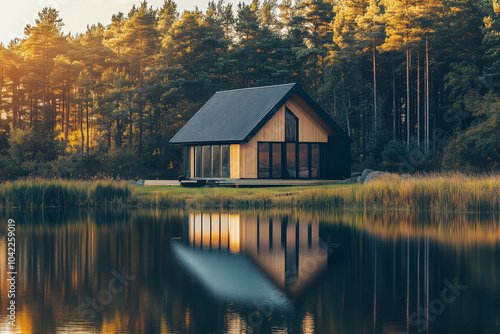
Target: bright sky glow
[76, 14]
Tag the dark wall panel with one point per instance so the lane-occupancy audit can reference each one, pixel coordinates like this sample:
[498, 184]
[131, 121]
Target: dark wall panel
[337, 158]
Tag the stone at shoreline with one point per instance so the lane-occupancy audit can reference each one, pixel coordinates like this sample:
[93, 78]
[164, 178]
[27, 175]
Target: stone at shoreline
[371, 175]
[352, 180]
[138, 183]
[365, 173]
[363, 177]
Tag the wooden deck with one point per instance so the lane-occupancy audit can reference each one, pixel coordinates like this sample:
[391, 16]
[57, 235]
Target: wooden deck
[161, 183]
[252, 183]
[239, 183]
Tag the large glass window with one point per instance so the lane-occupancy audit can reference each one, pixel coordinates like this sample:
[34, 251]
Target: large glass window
[315, 161]
[303, 160]
[197, 161]
[212, 161]
[226, 170]
[291, 126]
[216, 161]
[276, 161]
[291, 161]
[206, 170]
[264, 160]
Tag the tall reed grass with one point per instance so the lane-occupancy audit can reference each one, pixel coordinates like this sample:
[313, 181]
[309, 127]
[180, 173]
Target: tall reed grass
[424, 193]
[436, 193]
[36, 193]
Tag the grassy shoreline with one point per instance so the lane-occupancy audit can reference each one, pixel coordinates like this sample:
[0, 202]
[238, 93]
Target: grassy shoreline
[41, 193]
[430, 193]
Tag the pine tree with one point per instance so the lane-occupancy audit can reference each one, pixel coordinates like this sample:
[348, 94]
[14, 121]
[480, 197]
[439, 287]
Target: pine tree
[491, 42]
[167, 16]
[141, 43]
[13, 73]
[429, 14]
[42, 44]
[248, 32]
[402, 33]
[317, 16]
[370, 33]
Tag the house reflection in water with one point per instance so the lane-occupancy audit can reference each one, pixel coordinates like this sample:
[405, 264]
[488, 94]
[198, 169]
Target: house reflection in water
[288, 252]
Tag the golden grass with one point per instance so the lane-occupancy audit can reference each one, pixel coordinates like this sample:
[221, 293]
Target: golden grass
[421, 193]
[434, 193]
[36, 193]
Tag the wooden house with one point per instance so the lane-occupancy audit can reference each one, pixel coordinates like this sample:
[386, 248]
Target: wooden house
[272, 132]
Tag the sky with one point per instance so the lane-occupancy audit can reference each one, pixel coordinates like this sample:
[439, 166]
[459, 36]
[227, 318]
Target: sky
[76, 14]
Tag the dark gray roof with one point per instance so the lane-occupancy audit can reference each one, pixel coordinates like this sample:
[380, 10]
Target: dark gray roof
[235, 116]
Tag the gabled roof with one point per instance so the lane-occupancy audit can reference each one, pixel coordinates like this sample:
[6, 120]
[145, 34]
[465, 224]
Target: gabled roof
[230, 277]
[235, 116]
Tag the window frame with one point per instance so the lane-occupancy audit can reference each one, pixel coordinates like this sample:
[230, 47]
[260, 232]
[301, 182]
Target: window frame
[287, 113]
[269, 152]
[284, 159]
[199, 163]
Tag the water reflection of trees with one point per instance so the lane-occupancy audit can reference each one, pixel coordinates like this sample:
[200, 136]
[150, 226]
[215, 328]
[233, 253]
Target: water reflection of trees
[66, 258]
[387, 266]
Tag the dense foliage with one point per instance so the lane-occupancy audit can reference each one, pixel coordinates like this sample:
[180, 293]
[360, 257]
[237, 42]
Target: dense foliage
[415, 83]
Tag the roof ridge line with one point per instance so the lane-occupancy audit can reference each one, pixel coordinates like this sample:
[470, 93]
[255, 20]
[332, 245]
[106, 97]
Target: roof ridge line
[259, 87]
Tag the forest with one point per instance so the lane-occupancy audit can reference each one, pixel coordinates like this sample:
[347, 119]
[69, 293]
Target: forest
[415, 83]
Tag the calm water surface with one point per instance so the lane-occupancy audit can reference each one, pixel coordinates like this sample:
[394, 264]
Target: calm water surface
[159, 271]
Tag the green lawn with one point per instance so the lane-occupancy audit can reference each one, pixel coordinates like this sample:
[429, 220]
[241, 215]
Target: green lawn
[143, 192]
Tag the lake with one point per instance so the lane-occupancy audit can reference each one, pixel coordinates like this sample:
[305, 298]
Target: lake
[174, 271]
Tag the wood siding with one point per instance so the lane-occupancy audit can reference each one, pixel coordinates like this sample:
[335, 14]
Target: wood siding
[235, 162]
[311, 129]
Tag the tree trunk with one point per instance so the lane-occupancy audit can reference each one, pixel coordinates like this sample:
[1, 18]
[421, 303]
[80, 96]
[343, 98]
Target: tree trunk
[131, 130]
[140, 128]
[53, 111]
[63, 103]
[140, 110]
[32, 107]
[375, 120]
[394, 97]
[363, 130]
[1, 86]
[408, 110]
[346, 108]
[118, 133]
[81, 126]
[44, 107]
[434, 117]
[418, 97]
[88, 125]
[109, 133]
[35, 113]
[15, 105]
[427, 104]
[66, 130]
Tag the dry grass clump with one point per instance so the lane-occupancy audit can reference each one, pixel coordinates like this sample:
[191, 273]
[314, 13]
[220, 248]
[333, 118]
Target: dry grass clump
[435, 192]
[64, 193]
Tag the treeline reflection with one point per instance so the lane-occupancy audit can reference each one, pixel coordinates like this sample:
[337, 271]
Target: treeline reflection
[385, 268]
